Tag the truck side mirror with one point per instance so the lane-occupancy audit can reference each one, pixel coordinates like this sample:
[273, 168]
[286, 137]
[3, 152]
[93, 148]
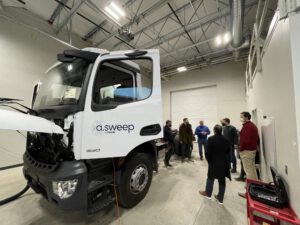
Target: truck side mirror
[35, 91]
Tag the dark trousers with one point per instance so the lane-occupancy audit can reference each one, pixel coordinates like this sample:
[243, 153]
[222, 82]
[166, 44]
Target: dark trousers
[201, 144]
[185, 151]
[233, 158]
[210, 186]
[169, 152]
[242, 174]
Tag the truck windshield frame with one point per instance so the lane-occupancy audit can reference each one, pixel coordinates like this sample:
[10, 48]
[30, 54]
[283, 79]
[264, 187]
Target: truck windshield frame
[63, 84]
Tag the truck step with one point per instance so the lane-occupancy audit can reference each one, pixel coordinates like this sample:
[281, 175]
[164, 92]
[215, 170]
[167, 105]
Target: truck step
[100, 204]
[96, 184]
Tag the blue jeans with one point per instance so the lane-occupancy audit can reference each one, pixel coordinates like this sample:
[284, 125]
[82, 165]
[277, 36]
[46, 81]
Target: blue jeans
[201, 144]
[210, 186]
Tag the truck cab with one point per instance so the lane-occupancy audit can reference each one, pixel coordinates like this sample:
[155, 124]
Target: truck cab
[108, 105]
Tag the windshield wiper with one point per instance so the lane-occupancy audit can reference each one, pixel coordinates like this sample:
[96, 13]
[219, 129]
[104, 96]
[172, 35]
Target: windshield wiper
[7, 101]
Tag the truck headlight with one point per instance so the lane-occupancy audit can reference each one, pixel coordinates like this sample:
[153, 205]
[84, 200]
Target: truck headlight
[64, 189]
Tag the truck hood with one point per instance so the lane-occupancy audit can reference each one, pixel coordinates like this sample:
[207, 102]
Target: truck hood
[10, 120]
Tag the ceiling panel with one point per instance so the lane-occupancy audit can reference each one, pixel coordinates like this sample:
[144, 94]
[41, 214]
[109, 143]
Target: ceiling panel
[151, 22]
[43, 8]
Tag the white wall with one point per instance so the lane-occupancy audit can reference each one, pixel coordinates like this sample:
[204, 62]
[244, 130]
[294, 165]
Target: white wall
[273, 95]
[230, 87]
[25, 55]
[194, 102]
[295, 37]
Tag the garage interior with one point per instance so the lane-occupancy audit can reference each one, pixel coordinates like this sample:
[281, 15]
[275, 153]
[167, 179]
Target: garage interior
[218, 58]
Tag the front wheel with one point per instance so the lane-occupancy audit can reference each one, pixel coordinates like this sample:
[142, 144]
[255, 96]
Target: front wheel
[135, 180]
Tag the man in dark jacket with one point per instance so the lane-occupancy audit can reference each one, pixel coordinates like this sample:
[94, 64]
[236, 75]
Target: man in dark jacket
[202, 132]
[169, 138]
[230, 133]
[216, 154]
[186, 139]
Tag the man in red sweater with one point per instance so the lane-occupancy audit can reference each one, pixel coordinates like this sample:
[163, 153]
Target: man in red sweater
[248, 145]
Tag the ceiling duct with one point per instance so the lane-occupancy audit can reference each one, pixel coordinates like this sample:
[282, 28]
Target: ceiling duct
[237, 20]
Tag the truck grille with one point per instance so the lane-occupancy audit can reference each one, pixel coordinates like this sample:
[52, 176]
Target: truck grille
[29, 160]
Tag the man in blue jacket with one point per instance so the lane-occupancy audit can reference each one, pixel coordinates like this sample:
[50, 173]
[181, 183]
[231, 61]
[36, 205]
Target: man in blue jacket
[202, 132]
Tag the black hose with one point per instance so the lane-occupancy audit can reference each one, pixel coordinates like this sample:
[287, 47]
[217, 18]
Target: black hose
[14, 197]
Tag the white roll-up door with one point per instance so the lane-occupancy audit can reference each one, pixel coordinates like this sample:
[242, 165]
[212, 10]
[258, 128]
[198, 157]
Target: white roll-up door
[195, 104]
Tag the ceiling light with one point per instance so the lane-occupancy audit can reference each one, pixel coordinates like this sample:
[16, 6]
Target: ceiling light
[227, 37]
[181, 69]
[113, 14]
[218, 40]
[117, 9]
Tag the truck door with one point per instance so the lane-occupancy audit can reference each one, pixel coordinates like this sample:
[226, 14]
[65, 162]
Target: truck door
[123, 106]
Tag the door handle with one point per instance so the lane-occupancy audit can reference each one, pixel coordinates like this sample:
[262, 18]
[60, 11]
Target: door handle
[153, 129]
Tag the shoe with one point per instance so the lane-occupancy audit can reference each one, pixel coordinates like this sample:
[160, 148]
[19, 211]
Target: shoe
[233, 170]
[203, 193]
[240, 179]
[201, 158]
[169, 165]
[218, 200]
[182, 160]
[243, 195]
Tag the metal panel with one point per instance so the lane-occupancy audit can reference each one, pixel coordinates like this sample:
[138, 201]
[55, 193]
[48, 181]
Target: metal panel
[72, 12]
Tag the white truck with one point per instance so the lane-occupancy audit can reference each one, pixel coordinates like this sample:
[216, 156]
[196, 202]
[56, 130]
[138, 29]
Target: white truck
[98, 115]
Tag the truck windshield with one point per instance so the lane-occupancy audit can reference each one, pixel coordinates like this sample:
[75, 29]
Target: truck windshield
[62, 84]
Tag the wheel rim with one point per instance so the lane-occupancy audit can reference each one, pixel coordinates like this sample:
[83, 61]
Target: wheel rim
[139, 179]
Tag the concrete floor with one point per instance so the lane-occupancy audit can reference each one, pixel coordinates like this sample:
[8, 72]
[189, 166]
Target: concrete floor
[173, 199]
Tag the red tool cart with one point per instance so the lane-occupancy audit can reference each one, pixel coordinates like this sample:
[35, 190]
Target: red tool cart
[262, 211]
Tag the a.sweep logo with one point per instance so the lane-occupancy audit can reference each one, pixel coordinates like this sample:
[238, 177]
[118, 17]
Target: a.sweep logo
[113, 128]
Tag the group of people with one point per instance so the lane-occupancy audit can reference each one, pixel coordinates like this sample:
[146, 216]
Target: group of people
[186, 138]
[219, 150]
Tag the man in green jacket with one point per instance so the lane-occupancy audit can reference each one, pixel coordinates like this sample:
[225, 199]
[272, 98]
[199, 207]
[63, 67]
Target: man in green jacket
[186, 139]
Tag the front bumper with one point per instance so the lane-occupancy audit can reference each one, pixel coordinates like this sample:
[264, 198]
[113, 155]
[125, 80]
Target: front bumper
[40, 177]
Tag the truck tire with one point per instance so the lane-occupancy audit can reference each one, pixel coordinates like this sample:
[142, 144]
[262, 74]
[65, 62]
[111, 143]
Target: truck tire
[135, 180]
